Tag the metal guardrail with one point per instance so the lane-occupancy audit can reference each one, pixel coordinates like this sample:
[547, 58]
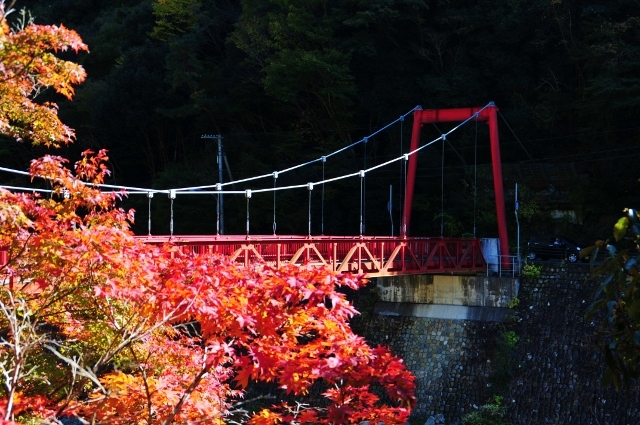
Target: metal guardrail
[496, 266]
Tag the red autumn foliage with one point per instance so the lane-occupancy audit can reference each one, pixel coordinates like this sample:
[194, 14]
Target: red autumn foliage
[97, 324]
[28, 65]
[117, 311]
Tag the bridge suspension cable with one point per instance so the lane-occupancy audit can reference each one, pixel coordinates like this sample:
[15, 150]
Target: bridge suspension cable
[322, 158]
[128, 189]
[173, 193]
[131, 190]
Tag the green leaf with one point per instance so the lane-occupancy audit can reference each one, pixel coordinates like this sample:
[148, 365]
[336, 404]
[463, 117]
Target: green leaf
[634, 310]
[630, 263]
[617, 382]
[620, 228]
[595, 307]
[610, 307]
[602, 286]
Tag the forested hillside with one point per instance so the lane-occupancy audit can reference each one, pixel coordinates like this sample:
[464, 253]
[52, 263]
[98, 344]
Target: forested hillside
[287, 81]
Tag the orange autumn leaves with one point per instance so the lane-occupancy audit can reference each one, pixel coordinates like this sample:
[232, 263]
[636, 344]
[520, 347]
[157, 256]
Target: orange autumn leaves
[28, 65]
[97, 324]
[146, 334]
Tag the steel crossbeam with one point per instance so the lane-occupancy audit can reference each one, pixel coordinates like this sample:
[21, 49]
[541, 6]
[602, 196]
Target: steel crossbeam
[373, 256]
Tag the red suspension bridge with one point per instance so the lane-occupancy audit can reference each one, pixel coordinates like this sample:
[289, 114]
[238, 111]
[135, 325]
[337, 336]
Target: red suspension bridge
[374, 256]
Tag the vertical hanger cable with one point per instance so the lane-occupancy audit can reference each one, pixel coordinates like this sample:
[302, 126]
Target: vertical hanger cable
[247, 194]
[275, 178]
[149, 195]
[218, 188]
[361, 201]
[324, 160]
[172, 196]
[444, 138]
[475, 177]
[363, 189]
[309, 188]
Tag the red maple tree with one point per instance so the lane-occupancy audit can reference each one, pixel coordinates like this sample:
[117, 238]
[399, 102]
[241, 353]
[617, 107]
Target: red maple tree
[130, 332]
[28, 65]
[94, 323]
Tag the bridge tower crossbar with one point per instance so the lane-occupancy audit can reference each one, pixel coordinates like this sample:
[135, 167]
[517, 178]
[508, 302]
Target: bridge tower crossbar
[488, 114]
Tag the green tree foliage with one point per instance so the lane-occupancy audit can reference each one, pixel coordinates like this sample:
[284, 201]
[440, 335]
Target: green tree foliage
[617, 302]
[309, 55]
[174, 17]
[299, 79]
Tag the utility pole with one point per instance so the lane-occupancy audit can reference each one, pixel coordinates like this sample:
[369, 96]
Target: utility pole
[517, 207]
[220, 197]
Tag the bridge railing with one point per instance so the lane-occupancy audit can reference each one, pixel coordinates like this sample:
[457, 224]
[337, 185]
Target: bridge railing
[514, 265]
[373, 256]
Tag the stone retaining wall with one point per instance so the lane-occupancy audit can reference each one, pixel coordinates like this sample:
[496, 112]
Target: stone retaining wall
[559, 378]
[557, 371]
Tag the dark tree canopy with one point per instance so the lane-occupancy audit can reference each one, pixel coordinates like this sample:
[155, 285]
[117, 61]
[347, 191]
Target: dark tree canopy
[285, 82]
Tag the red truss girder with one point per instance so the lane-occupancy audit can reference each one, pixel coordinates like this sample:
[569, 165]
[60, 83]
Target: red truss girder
[372, 256]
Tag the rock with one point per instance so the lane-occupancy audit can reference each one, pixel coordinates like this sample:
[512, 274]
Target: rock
[430, 421]
[440, 419]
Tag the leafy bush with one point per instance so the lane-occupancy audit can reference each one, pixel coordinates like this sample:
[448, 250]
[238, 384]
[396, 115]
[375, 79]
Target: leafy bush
[617, 303]
[509, 338]
[504, 360]
[530, 270]
[489, 414]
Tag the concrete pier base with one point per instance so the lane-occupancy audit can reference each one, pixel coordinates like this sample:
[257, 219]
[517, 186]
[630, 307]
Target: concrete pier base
[470, 291]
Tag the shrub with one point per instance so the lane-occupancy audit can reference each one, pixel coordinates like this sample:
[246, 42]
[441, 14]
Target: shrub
[530, 270]
[489, 414]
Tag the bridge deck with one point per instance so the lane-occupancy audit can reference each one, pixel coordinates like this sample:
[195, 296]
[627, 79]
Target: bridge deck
[372, 255]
